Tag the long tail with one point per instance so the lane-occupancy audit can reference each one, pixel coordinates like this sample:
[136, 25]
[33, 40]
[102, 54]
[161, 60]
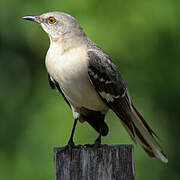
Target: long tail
[142, 134]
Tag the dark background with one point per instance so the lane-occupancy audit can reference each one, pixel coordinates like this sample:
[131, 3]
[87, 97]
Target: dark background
[143, 39]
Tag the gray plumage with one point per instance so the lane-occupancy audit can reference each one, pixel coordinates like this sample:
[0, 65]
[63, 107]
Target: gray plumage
[90, 82]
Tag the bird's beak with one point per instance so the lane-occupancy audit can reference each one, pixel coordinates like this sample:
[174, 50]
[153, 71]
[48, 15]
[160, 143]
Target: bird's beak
[33, 18]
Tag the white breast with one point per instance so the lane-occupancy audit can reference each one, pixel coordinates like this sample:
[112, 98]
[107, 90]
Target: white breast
[70, 70]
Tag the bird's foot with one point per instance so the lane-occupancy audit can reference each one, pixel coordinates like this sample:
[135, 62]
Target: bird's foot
[70, 145]
[97, 142]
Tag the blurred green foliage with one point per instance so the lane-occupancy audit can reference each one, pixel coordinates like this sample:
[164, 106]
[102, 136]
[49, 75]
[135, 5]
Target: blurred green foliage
[143, 39]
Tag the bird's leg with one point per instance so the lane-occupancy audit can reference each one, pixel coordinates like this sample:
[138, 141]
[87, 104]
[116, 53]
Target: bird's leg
[97, 142]
[71, 142]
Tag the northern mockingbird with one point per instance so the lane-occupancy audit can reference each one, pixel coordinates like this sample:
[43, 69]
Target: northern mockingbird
[90, 82]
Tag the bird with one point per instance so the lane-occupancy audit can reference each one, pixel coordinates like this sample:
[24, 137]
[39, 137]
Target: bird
[90, 82]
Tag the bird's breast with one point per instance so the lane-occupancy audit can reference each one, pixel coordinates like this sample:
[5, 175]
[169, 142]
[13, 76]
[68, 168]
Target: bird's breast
[70, 70]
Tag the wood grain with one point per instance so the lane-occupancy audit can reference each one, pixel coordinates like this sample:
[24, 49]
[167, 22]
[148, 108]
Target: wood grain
[115, 162]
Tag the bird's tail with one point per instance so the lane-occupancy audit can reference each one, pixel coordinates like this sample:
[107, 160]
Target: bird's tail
[142, 134]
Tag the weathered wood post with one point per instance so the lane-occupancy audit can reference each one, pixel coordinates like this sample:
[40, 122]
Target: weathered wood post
[115, 162]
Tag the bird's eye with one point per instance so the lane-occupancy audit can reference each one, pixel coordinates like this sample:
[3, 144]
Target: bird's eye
[51, 20]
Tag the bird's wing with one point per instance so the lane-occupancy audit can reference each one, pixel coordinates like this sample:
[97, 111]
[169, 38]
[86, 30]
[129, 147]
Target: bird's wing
[54, 85]
[110, 86]
[51, 82]
[113, 91]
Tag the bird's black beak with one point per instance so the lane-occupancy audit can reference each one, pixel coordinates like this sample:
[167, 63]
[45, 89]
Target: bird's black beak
[33, 18]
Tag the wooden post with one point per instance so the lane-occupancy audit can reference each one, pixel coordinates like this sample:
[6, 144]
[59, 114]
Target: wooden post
[115, 162]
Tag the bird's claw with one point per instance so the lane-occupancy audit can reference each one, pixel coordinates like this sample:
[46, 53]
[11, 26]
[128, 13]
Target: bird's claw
[70, 145]
[97, 143]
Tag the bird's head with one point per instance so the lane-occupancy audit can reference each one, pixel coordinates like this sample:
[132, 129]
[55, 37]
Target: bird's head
[58, 25]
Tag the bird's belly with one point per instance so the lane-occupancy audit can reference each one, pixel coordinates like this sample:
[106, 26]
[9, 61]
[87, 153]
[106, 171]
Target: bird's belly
[71, 72]
[80, 93]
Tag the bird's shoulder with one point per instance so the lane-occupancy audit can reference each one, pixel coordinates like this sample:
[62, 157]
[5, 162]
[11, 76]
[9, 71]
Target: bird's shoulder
[103, 72]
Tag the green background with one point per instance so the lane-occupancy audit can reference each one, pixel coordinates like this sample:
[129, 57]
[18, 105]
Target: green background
[143, 39]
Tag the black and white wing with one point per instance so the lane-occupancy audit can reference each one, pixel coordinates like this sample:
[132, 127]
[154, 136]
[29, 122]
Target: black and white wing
[110, 86]
[113, 91]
